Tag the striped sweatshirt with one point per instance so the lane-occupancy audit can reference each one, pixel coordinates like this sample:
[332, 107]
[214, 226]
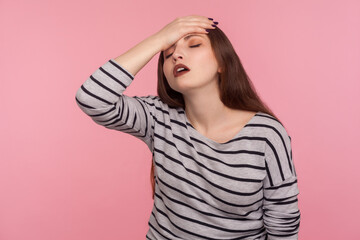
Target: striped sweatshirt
[245, 188]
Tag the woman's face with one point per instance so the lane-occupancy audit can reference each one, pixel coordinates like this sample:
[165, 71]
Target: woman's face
[194, 51]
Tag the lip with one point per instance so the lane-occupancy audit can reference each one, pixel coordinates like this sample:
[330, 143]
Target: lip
[176, 74]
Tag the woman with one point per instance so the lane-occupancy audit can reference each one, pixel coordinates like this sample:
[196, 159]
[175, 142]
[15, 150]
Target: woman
[222, 163]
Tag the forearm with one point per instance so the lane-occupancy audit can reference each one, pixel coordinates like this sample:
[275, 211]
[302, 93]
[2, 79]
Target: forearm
[138, 56]
[281, 210]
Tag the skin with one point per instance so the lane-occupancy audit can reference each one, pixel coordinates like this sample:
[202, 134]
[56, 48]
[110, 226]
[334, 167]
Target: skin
[200, 89]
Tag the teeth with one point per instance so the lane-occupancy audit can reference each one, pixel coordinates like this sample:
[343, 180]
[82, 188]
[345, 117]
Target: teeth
[179, 69]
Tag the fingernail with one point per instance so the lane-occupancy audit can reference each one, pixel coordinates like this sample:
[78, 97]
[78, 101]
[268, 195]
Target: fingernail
[213, 25]
[210, 19]
[207, 30]
[215, 22]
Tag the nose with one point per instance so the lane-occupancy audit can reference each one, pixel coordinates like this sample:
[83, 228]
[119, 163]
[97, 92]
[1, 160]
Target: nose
[177, 54]
[176, 57]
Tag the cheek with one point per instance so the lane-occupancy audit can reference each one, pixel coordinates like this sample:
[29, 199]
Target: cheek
[166, 70]
[205, 57]
[207, 64]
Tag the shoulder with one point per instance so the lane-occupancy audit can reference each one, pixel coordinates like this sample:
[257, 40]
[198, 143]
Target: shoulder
[271, 128]
[158, 107]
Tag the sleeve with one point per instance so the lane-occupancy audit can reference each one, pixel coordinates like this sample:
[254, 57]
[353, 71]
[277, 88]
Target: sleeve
[101, 97]
[280, 204]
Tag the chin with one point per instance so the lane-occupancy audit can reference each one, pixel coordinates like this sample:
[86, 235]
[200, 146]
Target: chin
[186, 86]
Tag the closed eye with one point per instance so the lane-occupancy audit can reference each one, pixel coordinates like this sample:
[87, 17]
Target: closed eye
[190, 46]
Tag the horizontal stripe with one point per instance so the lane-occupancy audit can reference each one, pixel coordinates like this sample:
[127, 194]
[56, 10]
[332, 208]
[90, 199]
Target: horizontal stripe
[245, 188]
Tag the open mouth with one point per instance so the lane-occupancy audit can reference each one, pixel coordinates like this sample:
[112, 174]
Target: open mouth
[180, 70]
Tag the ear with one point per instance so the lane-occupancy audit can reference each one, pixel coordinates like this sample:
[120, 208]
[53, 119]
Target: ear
[220, 70]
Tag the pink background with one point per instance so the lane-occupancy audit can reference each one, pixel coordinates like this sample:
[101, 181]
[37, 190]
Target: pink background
[64, 177]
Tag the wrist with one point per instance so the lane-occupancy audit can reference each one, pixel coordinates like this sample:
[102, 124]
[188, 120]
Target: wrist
[157, 42]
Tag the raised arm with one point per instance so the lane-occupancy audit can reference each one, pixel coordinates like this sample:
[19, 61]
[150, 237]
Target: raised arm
[101, 95]
[137, 57]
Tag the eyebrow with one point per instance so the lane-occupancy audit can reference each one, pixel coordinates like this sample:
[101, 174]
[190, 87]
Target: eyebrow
[185, 38]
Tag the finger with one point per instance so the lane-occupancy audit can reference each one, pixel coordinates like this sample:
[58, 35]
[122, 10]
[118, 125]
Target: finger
[201, 24]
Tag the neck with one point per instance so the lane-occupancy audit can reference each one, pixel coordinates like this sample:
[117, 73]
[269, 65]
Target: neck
[204, 111]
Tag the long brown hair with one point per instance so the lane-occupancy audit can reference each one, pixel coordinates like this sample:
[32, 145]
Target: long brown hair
[236, 89]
